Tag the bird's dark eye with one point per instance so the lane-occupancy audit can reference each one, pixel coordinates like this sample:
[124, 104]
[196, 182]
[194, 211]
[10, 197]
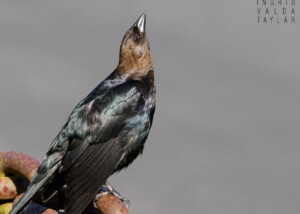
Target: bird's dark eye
[136, 38]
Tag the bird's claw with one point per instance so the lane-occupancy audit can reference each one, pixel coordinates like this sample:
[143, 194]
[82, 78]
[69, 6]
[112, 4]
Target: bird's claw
[99, 196]
[108, 189]
[111, 190]
[125, 201]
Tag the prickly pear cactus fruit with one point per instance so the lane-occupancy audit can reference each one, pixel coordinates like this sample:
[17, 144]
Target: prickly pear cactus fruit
[16, 170]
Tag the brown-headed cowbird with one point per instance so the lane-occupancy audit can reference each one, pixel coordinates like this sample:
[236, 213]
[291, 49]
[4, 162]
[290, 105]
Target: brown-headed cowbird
[104, 133]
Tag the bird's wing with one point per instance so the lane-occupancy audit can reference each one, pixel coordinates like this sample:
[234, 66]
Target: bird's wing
[91, 159]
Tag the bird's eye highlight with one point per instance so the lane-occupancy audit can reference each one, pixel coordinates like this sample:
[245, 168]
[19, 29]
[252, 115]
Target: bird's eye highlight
[136, 38]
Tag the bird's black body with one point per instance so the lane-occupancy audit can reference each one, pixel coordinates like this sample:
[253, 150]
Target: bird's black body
[104, 133]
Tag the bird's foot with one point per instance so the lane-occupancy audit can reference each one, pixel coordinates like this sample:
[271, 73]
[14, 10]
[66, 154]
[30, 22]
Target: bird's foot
[108, 189]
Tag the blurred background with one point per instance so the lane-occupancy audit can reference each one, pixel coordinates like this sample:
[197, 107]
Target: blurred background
[225, 137]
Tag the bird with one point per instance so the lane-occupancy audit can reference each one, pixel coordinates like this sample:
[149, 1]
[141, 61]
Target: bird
[104, 133]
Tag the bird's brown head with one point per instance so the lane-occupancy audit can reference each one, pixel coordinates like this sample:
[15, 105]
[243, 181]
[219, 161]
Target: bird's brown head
[135, 58]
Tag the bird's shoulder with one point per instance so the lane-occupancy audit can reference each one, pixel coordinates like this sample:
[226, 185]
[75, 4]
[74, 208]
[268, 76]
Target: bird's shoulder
[115, 94]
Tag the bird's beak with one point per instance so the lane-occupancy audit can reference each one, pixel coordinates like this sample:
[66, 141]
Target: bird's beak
[141, 23]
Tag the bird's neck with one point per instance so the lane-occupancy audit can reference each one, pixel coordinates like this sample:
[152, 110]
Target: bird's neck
[134, 68]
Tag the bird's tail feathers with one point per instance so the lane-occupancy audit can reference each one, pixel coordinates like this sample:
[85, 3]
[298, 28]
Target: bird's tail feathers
[33, 188]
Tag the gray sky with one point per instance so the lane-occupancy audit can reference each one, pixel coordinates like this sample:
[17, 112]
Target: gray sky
[226, 134]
